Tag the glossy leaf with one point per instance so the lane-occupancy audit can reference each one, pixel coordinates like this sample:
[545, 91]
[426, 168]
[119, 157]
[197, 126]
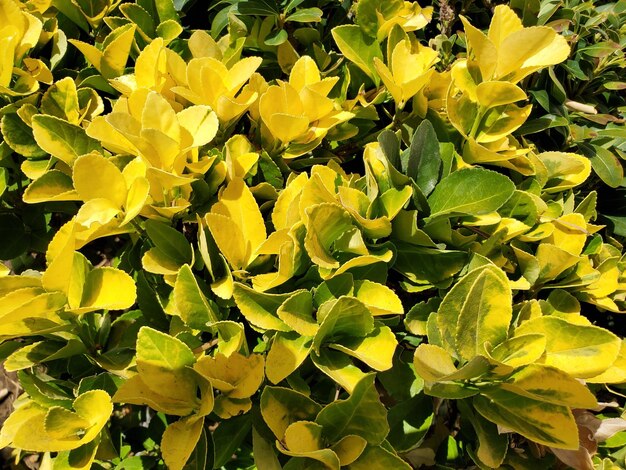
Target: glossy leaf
[472, 191]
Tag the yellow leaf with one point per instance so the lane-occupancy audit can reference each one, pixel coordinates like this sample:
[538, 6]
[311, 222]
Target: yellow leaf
[380, 299]
[91, 53]
[327, 222]
[520, 350]
[492, 93]
[432, 362]
[545, 423]
[580, 350]
[552, 261]
[29, 429]
[201, 44]
[135, 199]
[200, 122]
[376, 349]
[179, 440]
[287, 353]
[237, 203]
[283, 113]
[303, 73]
[286, 209]
[503, 23]
[530, 48]
[115, 54]
[240, 73]
[237, 376]
[303, 437]
[158, 114]
[570, 233]
[616, 373]
[53, 185]
[349, 448]
[135, 391]
[240, 156]
[226, 407]
[551, 385]
[108, 288]
[96, 211]
[481, 49]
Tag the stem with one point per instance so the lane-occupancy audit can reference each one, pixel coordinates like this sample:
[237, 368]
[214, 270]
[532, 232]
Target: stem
[205, 346]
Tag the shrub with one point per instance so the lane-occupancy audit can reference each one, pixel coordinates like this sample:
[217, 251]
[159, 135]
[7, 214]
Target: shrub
[312, 235]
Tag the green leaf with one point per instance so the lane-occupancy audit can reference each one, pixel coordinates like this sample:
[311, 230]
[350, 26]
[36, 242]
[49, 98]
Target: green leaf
[228, 437]
[194, 307]
[358, 48]
[61, 139]
[424, 162]
[170, 241]
[338, 367]
[277, 38]
[470, 191]
[260, 309]
[492, 446]
[104, 381]
[140, 17]
[428, 265]
[74, 14]
[356, 414]
[378, 457]
[166, 10]
[390, 145]
[43, 351]
[409, 421]
[607, 166]
[344, 317]
[618, 224]
[258, 7]
[368, 11]
[306, 15]
[13, 238]
[19, 136]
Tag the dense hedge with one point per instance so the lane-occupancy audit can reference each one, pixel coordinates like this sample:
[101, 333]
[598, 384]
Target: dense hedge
[313, 234]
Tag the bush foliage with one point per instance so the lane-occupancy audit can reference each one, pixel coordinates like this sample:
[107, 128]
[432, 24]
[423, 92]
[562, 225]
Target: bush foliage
[313, 234]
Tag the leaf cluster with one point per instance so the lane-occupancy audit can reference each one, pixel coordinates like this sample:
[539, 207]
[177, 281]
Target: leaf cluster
[313, 235]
